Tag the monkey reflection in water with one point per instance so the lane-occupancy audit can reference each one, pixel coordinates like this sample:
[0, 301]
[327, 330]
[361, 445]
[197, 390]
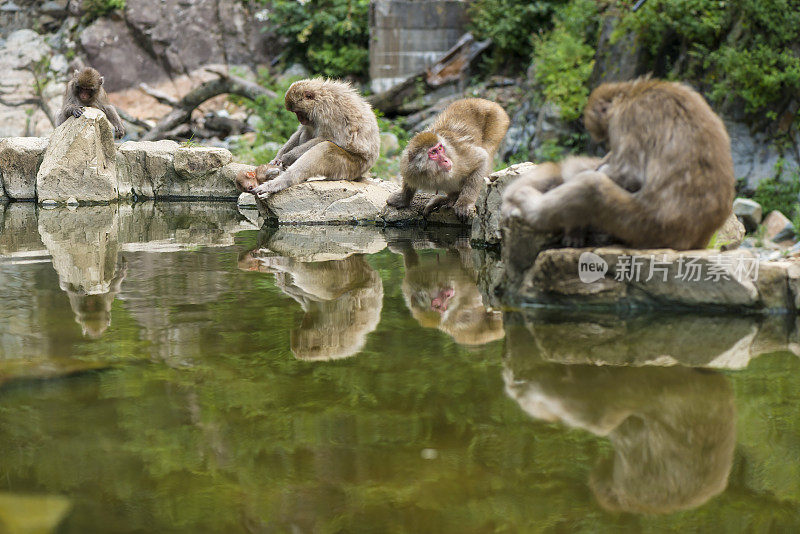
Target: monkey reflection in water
[672, 428]
[342, 301]
[440, 292]
[93, 311]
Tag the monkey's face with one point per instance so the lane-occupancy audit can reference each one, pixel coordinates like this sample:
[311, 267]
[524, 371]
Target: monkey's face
[85, 94]
[300, 100]
[441, 300]
[437, 154]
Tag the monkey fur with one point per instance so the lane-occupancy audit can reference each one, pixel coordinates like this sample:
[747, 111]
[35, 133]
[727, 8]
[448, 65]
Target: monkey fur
[85, 89]
[667, 181]
[453, 156]
[338, 136]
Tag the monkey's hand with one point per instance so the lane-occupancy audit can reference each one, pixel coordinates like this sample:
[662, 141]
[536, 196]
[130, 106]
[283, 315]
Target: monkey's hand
[77, 112]
[271, 187]
[119, 133]
[278, 164]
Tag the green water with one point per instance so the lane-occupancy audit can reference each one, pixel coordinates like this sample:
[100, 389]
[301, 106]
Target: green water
[169, 368]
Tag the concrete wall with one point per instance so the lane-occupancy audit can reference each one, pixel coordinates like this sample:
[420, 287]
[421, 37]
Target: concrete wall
[407, 36]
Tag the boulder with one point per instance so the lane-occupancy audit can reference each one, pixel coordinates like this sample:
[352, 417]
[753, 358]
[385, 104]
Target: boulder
[202, 172]
[652, 279]
[778, 228]
[749, 212]
[412, 215]
[20, 158]
[145, 168]
[730, 235]
[80, 161]
[486, 225]
[330, 201]
[390, 145]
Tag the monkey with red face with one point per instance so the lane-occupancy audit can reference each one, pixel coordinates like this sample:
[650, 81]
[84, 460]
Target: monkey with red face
[453, 156]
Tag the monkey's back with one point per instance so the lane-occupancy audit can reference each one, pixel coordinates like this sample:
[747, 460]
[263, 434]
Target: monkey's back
[481, 121]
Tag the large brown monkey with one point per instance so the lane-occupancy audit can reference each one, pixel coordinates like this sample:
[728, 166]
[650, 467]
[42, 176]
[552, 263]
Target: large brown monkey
[85, 89]
[453, 156]
[338, 137]
[667, 182]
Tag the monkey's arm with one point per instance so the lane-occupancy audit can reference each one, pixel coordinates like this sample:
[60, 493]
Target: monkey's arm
[113, 118]
[69, 110]
[300, 136]
[472, 185]
[292, 155]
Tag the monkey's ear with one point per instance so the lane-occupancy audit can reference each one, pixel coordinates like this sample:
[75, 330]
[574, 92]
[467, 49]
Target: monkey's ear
[102, 79]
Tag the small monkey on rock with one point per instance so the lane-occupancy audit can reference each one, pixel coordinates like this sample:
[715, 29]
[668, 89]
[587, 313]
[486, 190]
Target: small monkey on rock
[338, 138]
[85, 89]
[453, 156]
[666, 182]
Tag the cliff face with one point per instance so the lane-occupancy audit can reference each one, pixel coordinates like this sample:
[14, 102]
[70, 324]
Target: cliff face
[148, 40]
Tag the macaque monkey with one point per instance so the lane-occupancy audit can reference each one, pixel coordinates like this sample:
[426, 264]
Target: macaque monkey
[85, 89]
[246, 181]
[666, 182]
[338, 137]
[453, 156]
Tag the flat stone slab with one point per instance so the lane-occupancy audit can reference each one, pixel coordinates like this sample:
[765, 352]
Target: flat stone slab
[613, 277]
[412, 215]
[330, 201]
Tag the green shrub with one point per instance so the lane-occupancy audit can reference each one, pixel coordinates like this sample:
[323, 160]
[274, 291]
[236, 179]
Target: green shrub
[99, 8]
[330, 37]
[781, 195]
[510, 25]
[744, 49]
[564, 57]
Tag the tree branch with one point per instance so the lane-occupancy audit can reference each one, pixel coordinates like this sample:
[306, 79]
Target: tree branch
[225, 84]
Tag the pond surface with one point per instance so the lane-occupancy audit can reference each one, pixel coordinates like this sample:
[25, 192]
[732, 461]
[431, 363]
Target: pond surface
[171, 368]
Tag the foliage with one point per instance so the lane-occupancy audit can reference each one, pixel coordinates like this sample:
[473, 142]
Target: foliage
[564, 57]
[743, 49]
[509, 23]
[330, 37]
[99, 8]
[778, 194]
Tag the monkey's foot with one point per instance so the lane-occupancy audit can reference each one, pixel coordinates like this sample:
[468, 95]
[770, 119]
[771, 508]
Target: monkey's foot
[398, 200]
[77, 112]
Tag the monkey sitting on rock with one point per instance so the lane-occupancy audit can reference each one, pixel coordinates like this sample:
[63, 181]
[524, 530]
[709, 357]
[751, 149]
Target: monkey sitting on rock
[338, 138]
[453, 156]
[85, 89]
[667, 181]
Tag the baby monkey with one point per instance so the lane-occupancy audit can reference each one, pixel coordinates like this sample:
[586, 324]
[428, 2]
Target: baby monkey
[85, 89]
[453, 156]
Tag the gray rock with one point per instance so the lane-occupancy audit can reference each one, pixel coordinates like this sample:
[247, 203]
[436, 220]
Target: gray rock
[412, 215]
[113, 49]
[295, 70]
[10, 7]
[486, 225]
[730, 235]
[749, 212]
[80, 161]
[330, 201]
[145, 168]
[20, 158]
[203, 172]
[778, 228]
[54, 9]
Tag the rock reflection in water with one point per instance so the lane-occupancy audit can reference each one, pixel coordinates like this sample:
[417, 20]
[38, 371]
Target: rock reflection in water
[342, 297]
[672, 428]
[84, 246]
[441, 292]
